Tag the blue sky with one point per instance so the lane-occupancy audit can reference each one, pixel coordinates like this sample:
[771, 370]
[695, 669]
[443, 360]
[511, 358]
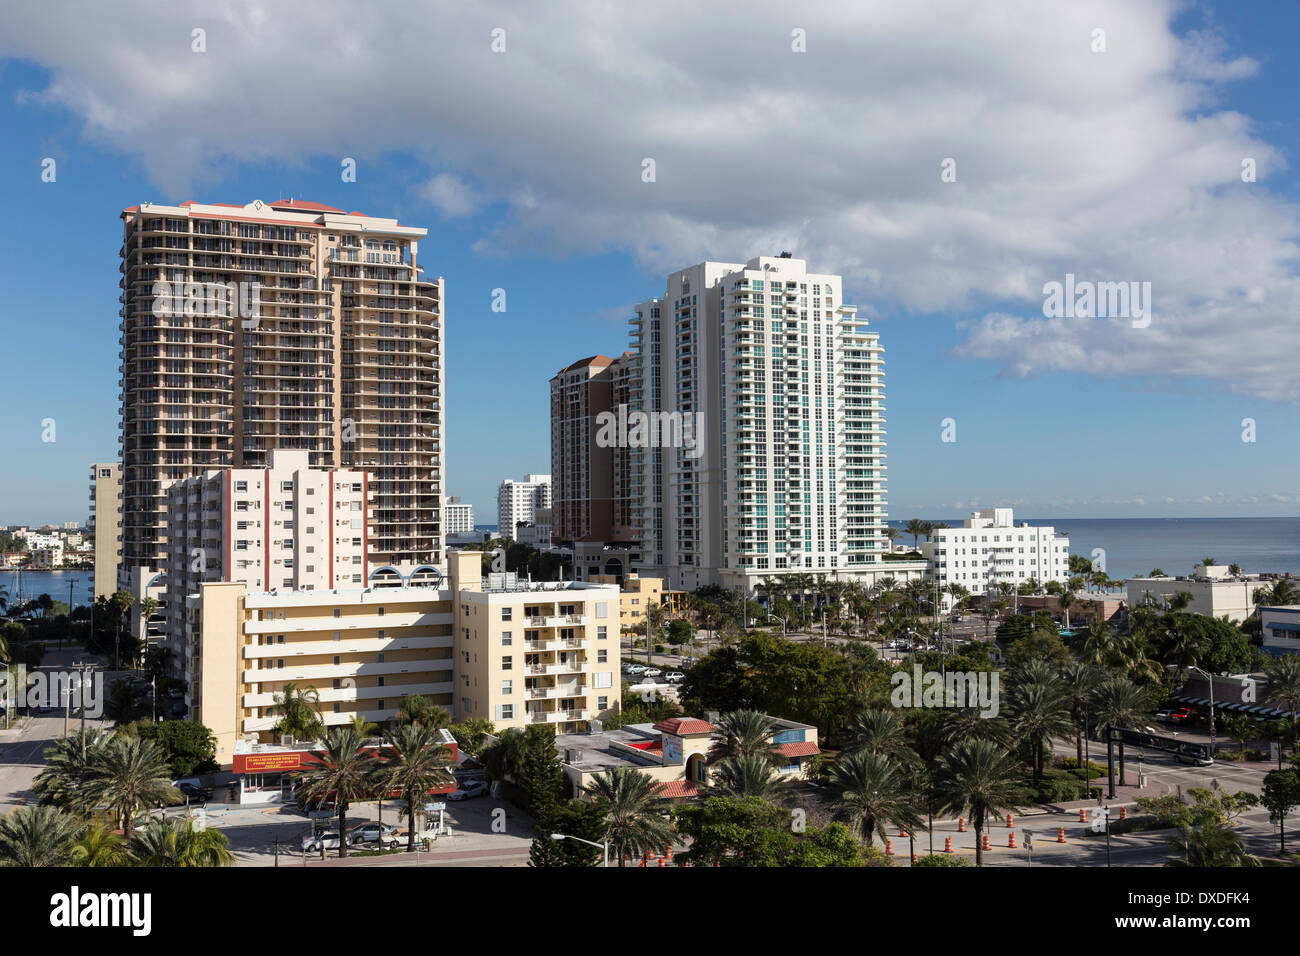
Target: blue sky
[545, 201]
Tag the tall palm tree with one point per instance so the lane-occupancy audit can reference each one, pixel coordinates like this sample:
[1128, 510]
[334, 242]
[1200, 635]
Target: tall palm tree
[1121, 703]
[414, 762]
[179, 843]
[871, 793]
[98, 846]
[1039, 708]
[130, 774]
[915, 527]
[747, 777]
[1067, 600]
[1080, 679]
[744, 733]
[654, 624]
[879, 730]
[68, 766]
[977, 777]
[419, 709]
[1096, 649]
[37, 836]
[342, 772]
[299, 712]
[1283, 686]
[636, 820]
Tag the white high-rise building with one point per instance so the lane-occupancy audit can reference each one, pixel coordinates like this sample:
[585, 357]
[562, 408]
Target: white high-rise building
[458, 516]
[519, 501]
[785, 385]
[991, 549]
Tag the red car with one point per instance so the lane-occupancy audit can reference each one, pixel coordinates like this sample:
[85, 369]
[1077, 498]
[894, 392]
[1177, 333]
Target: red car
[1180, 714]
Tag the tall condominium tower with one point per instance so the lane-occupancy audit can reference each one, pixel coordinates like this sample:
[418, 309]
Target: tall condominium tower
[103, 529]
[283, 325]
[784, 471]
[589, 476]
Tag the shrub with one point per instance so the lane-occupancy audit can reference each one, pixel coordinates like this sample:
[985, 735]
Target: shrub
[943, 859]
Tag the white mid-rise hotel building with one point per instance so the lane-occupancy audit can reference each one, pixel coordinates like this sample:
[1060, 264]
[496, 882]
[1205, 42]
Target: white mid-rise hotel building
[991, 549]
[519, 501]
[458, 516]
[789, 474]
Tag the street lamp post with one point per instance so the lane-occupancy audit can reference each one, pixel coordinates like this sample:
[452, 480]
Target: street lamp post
[1210, 678]
[604, 847]
[1106, 814]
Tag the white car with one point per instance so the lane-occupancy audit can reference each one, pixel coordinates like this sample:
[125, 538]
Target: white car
[653, 672]
[314, 843]
[674, 677]
[468, 789]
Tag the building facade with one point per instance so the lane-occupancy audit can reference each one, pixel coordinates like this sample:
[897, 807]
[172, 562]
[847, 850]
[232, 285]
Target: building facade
[284, 325]
[1280, 629]
[991, 549]
[458, 517]
[519, 501]
[785, 471]
[1214, 590]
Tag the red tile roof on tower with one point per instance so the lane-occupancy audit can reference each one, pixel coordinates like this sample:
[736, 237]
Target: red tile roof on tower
[307, 206]
[801, 749]
[601, 360]
[684, 726]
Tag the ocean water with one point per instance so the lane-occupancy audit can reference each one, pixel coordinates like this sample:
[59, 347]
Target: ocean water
[1136, 546]
[53, 583]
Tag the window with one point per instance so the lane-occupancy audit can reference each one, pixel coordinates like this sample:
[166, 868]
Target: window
[602, 703]
[602, 679]
[507, 638]
[381, 682]
[507, 687]
[602, 656]
[506, 613]
[241, 486]
[507, 663]
[381, 612]
[338, 612]
[505, 711]
[602, 609]
[336, 660]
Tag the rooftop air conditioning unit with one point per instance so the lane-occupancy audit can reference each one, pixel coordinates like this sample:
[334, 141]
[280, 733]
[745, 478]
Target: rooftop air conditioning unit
[286, 740]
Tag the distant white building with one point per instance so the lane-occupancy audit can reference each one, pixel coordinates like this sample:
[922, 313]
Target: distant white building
[518, 501]
[990, 548]
[1281, 629]
[1214, 589]
[537, 534]
[47, 557]
[458, 517]
[37, 541]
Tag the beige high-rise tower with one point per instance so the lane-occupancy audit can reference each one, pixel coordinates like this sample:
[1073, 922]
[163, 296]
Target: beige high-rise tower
[283, 325]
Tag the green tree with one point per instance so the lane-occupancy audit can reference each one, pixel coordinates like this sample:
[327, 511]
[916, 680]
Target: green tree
[342, 772]
[98, 846]
[299, 712]
[636, 820]
[574, 818]
[976, 778]
[744, 733]
[1283, 686]
[1121, 703]
[37, 837]
[747, 776]
[188, 747]
[129, 774]
[1039, 706]
[877, 730]
[1280, 795]
[417, 708]
[179, 843]
[870, 793]
[413, 761]
[68, 768]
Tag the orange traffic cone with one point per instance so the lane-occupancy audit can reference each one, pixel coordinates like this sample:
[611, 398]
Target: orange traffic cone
[889, 848]
[1011, 839]
[686, 862]
[913, 859]
[961, 824]
[1083, 815]
[1060, 834]
[1010, 822]
[986, 842]
[669, 853]
[1123, 813]
[661, 861]
[947, 844]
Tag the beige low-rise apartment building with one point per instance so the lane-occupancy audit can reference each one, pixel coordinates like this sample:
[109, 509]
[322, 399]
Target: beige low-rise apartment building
[531, 652]
[358, 652]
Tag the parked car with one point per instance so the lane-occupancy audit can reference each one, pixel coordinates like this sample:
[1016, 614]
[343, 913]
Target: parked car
[674, 677]
[468, 789]
[1180, 715]
[1164, 715]
[195, 796]
[637, 669]
[325, 840]
[653, 672]
[381, 833]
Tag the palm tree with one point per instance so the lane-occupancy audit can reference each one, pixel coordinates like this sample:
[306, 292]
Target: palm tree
[504, 759]
[891, 534]
[976, 777]
[915, 527]
[1067, 600]
[747, 777]
[419, 709]
[1121, 703]
[129, 774]
[68, 767]
[636, 821]
[179, 843]
[1081, 680]
[1283, 686]
[744, 733]
[414, 762]
[98, 846]
[878, 731]
[1096, 647]
[1039, 707]
[299, 712]
[343, 772]
[37, 836]
[871, 793]
[654, 623]
[1209, 843]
